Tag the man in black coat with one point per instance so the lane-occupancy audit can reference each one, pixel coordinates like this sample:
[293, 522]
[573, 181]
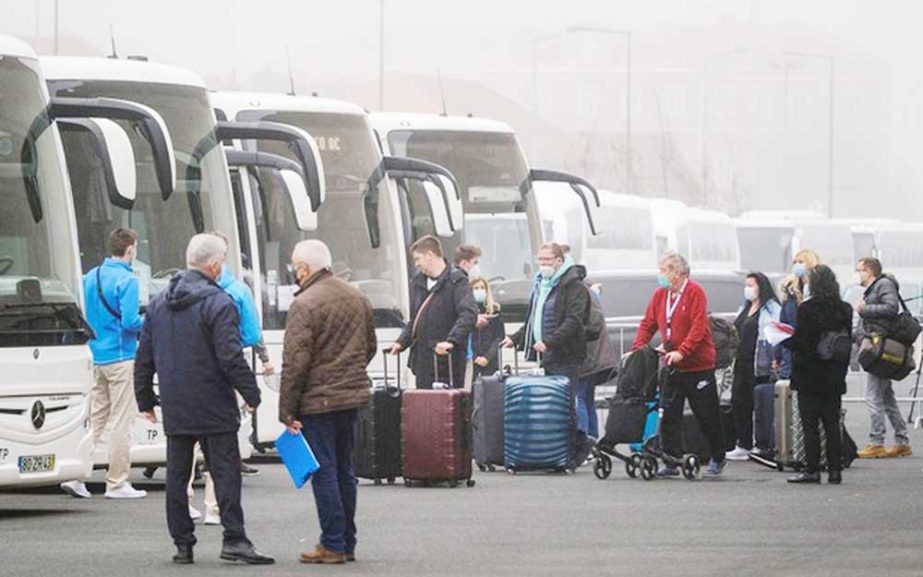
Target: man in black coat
[191, 340]
[442, 315]
[556, 321]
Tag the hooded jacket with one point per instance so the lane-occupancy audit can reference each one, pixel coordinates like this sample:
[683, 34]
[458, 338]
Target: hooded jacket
[563, 312]
[329, 342]
[882, 305]
[116, 337]
[191, 340]
[250, 333]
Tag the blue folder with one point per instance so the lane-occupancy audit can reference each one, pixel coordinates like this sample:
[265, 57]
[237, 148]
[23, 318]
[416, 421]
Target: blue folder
[298, 457]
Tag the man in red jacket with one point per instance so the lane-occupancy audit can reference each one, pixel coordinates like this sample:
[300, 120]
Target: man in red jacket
[679, 311]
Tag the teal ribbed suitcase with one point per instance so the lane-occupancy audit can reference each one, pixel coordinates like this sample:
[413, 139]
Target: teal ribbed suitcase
[539, 424]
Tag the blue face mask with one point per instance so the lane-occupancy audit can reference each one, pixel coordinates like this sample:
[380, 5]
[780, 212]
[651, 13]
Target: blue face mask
[480, 296]
[799, 269]
[663, 281]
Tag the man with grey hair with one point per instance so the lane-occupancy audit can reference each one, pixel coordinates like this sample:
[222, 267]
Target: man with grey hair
[329, 342]
[191, 340]
[678, 309]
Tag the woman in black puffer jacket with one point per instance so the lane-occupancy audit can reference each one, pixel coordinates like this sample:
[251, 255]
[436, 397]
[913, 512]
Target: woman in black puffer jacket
[820, 383]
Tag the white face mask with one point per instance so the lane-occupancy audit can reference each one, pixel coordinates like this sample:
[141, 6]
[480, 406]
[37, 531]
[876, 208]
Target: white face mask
[546, 271]
[474, 271]
[750, 293]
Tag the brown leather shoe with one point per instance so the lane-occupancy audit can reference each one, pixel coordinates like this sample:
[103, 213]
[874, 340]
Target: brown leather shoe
[872, 452]
[899, 451]
[323, 556]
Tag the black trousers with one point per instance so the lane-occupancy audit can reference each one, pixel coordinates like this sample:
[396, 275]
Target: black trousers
[742, 402]
[826, 409]
[223, 457]
[702, 391]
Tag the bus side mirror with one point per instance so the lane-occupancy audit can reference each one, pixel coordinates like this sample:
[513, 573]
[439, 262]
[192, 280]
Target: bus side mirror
[305, 217]
[113, 149]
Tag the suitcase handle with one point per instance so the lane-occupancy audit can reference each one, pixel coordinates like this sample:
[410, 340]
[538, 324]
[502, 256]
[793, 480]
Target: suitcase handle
[500, 362]
[436, 369]
[395, 392]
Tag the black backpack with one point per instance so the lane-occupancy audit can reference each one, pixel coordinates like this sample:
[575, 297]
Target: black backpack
[835, 346]
[725, 338]
[637, 375]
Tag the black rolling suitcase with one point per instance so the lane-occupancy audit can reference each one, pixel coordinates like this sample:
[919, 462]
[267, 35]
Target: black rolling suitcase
[378, 434]
[487, 419]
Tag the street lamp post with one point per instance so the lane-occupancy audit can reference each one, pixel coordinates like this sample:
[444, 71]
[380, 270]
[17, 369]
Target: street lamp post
[381, 57]
[830, 128]
[627, 35]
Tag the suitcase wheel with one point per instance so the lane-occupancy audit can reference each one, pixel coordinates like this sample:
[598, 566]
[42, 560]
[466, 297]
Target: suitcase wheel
[649, 469]
[469, 483]
[491, 468]
[690, 467]
[482, 467]
[602, 468]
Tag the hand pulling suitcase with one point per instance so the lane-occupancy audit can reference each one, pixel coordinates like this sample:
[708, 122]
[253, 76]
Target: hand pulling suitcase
[539, 423]
[378, 433]
[436, 436]
[487, 419]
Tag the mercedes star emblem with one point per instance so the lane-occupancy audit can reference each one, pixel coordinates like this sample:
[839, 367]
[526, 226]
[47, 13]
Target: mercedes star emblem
[38, 415]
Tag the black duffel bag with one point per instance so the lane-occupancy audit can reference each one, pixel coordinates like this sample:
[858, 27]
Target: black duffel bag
[886, 357]
[905, 328]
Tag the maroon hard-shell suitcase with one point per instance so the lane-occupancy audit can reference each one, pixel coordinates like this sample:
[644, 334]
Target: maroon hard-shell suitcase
[436, 436]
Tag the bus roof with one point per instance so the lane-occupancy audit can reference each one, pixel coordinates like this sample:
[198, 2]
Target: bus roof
[80, 68]
[232, 103]
[387, 121]
[10, 46]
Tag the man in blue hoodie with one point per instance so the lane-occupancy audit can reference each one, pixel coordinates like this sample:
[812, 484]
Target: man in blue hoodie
[112, 309]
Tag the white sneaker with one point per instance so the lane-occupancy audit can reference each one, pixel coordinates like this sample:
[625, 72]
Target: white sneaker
[194, 513]
[212, 519]
[126, 491]
[738, 454]
[76, 489]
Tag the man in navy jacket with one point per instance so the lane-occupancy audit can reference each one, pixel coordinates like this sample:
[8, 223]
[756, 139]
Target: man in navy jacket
[191, 340]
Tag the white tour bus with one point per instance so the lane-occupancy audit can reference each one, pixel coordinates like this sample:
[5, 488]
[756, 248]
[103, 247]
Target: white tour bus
[202, 200]
[501, 211]
[900, 249]
[369, 218]
[772, 238]
[708, 239]
[45, 435]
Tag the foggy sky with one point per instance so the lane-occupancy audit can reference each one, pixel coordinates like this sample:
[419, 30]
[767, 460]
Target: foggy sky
[232, 43]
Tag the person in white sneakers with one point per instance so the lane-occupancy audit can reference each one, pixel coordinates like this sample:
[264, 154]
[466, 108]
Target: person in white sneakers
[112, 306]
[753, 364]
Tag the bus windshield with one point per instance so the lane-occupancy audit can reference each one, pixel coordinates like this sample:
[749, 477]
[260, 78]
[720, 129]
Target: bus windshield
[201, 202]
[490, 170]
[767, 249]
[350, 156]
[37, 268]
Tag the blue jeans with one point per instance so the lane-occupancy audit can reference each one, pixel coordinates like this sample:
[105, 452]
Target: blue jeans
[879, 397]
[331, 437]
[587, 420]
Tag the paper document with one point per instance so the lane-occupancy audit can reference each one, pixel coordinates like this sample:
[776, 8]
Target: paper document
[776, 333]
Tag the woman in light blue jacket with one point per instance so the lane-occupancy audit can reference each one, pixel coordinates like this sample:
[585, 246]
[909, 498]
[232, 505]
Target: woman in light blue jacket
[753, 364]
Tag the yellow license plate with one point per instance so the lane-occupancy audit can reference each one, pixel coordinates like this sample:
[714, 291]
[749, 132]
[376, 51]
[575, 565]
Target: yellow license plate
[36, 463]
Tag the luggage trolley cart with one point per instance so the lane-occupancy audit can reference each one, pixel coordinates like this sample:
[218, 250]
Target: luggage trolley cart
[638, 422]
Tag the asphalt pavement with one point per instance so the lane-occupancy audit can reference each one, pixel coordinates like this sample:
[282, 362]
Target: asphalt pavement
[747, 522]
